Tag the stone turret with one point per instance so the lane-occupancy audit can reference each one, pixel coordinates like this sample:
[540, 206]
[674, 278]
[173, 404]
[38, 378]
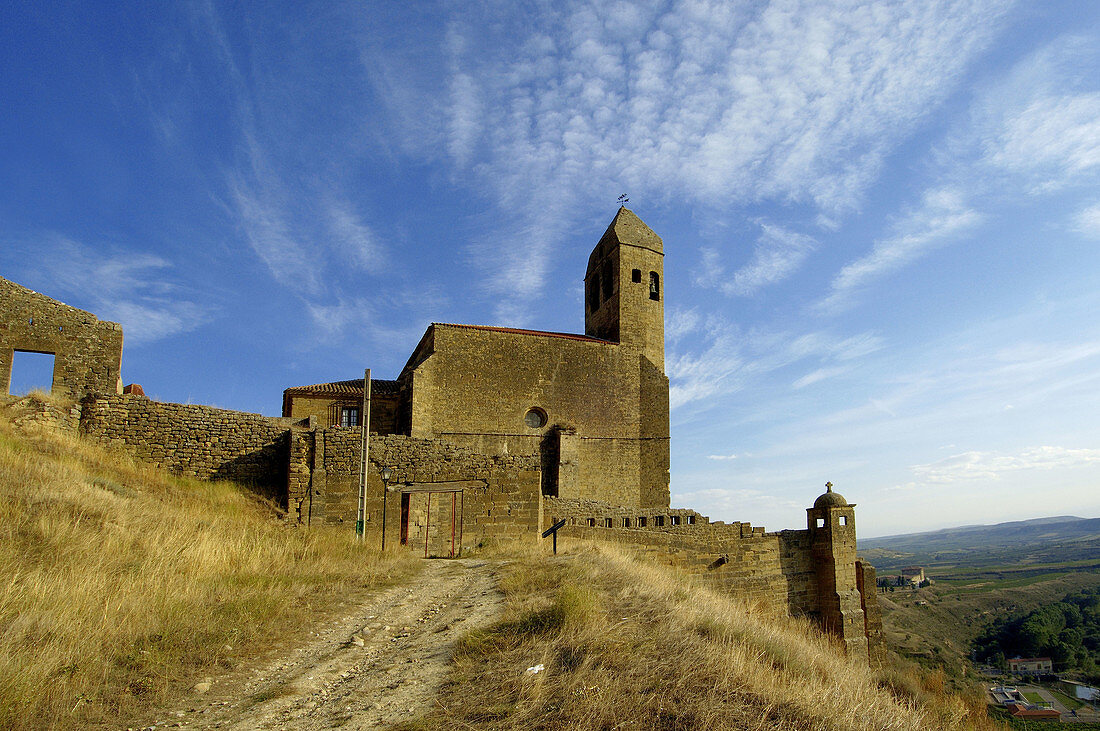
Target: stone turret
[624, 299]
[832, 526]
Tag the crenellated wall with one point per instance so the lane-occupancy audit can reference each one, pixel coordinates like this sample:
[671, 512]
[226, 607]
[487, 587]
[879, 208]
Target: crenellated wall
[811, 572]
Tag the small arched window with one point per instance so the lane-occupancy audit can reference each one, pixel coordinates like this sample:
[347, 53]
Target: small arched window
[654, 286]
[608, 281]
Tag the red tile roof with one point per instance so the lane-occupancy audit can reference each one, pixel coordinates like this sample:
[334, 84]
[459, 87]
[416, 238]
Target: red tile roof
[517, 331]
[345, 388]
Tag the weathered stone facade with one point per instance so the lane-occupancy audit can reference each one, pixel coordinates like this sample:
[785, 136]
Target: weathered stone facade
[199, 441]
[488, 433]
[87, 352]
[812, 573]
[592, 408]
[478, 496]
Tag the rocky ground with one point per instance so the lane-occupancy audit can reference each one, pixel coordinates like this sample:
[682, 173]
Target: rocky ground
[377, 665]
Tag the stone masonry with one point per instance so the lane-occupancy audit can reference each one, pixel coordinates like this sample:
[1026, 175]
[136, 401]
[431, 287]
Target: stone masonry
[198, 441]
[495, 497]
[87, 352]
[488, 433]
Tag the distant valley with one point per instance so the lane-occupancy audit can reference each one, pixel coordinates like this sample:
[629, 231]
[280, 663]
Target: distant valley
[979, 573]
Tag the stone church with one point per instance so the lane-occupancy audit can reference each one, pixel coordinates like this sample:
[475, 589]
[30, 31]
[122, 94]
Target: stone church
[593, 407]
[487, 434]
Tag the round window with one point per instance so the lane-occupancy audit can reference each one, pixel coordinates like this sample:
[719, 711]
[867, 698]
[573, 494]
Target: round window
[535, 418]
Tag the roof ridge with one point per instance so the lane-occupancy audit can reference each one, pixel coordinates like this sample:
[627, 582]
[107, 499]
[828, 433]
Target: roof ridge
[524, 331]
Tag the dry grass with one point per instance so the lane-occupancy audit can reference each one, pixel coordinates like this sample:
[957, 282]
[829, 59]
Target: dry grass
[627, 644]
[119, 585]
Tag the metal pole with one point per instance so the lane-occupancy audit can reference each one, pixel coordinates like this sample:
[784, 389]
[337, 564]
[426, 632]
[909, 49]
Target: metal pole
[361, 515]
[427, 524]
[385, 493]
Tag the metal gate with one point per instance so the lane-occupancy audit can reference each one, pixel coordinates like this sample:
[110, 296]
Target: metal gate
[431, 514]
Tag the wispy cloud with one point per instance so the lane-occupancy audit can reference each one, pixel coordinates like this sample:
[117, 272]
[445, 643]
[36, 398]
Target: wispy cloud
[1034, 131]
[777, 254]
[969, 466]
[1087, 221]
[943, 215]
[1040, 124]
[731, 358]
[697, 100]
[139, 291]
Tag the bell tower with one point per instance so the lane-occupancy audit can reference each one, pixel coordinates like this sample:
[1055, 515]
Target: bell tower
[624, 288]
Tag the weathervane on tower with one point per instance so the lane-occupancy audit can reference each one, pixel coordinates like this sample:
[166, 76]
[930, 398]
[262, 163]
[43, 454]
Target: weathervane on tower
[623, 200]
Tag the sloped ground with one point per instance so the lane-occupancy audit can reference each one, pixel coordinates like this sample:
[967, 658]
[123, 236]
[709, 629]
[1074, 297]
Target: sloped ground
[378, 665]
[121, 586]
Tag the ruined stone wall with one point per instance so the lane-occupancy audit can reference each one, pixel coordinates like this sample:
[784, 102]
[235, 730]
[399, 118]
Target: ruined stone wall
[498, 497]
[872, 613]
[476, 386]
[87, 352]
[199, 441]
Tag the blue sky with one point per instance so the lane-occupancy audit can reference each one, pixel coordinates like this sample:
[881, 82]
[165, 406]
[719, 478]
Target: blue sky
[881, 219]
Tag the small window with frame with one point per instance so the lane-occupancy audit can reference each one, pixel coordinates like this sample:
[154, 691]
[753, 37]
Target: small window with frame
[349, 416]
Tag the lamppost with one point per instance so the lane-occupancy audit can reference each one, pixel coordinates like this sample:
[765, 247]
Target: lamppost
[386, 473]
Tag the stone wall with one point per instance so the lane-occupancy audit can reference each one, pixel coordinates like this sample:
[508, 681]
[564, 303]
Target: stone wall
[474, 386]
[811, 572]
[872, 613]
[199, 441]
[325, 410]
[87, 352]
[494, 497]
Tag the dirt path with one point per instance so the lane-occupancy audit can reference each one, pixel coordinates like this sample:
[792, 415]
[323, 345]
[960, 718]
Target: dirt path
[380, 664]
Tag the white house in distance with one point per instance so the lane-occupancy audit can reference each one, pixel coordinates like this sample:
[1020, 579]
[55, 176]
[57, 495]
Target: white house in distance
[1030, 665]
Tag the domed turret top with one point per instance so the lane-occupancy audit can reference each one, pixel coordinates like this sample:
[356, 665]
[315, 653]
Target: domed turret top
[830, 499]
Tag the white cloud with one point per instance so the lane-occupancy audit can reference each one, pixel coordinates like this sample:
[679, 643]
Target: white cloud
[356, 243]
[698, 100]
[992, 465]
[136, 290]
[680, 322]
[943, 215]
[777, 254]
[731, 358]
[1087, 221]
[263, 217]
[1040, 124]
[722, 456]
[820, 374]
[1054, 140]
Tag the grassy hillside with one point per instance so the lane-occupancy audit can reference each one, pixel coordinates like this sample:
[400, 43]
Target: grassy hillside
[120, 585]
[626, 644]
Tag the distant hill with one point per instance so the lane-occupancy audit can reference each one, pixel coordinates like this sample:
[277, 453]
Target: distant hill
[1013, 534]
[1021, 543]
